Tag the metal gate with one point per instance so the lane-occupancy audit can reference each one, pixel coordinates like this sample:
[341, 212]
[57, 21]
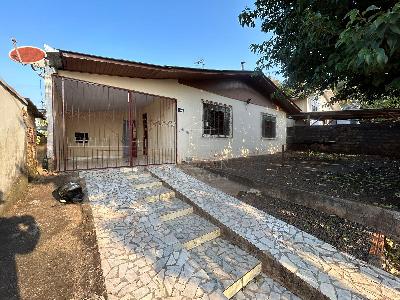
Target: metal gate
[100, 126]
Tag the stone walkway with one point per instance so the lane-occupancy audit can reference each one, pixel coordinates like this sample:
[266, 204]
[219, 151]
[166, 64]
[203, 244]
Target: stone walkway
[152, 246]
[141, 258]
[314, 263]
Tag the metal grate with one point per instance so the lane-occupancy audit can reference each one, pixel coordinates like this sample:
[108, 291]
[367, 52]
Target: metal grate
[217, 119]
[99, 126]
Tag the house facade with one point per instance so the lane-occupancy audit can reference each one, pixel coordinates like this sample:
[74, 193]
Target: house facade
[318, 102]
[323, 102]
[106, 112]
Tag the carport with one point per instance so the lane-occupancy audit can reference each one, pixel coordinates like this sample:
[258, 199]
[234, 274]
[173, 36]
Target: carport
[100, 126]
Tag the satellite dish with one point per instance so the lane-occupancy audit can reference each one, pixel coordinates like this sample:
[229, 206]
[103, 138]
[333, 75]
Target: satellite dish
[27, 55]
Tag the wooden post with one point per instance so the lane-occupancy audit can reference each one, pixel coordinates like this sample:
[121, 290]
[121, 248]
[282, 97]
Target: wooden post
[283, 155]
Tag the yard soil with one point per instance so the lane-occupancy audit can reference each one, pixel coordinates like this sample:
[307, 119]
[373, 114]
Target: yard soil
[343, 234]
[364, 178]
[48, 249]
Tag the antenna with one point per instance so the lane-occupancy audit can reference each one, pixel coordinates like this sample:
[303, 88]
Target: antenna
[14, 41]
[200, 62]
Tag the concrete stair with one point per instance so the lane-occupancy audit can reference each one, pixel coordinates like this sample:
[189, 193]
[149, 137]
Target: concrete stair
[136, 175]
[141, 183]
[192, 230]
[171, 208]
[156, 194]
[235, 271]
[231, 266]
[263, 287]
[306, 265]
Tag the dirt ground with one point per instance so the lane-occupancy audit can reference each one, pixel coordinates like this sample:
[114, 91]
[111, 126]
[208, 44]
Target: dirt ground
[370, 179]
[49, 249]
[346, 236]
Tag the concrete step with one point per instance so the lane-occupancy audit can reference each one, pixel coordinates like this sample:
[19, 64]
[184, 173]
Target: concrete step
[170, 209]
[232, 267]
[305, 264]
[141, 183]
[156, 194]
[137, 175]
[130, 170]
[263, 287]
[192, 230]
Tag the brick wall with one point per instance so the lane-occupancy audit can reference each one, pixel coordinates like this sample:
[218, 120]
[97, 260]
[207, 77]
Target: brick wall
[30, 147]
[370, 138]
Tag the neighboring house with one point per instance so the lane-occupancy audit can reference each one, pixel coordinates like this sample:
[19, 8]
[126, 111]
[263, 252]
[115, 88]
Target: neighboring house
[317, 102]
[105, 112]
[17, 137]
[322, 102]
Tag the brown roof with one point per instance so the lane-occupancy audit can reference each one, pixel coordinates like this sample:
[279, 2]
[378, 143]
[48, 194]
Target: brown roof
[34, 110]
[87, 63]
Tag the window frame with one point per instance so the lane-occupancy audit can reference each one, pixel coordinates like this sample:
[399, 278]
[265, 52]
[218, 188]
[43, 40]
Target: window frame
[230, 119]
[84, 140]
[263, 115]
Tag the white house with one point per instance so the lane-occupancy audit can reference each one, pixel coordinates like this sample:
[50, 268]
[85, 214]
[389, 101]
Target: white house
[106, 112]
[323, 102]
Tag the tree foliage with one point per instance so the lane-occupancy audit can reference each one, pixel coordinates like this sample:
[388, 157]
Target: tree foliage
[352, 47]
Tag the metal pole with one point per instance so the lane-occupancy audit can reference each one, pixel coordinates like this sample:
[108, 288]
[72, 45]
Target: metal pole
[130, 128]
[116, 161]
[176, 132]
[63, 117]
[53, 114]
[109, 151]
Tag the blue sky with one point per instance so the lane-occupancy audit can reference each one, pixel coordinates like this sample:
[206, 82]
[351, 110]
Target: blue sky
[159, 32]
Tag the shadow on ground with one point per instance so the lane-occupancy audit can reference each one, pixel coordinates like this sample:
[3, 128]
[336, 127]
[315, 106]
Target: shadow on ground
[18, 235]
[48, 250]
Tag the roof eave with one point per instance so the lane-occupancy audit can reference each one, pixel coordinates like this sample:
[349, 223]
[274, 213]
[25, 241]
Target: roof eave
[61, 58]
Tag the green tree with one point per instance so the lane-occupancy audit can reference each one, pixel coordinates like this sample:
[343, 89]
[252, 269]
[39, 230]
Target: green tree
[352, 47]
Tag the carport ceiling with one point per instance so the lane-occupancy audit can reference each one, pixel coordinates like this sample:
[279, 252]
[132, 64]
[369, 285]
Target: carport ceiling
[91, 97]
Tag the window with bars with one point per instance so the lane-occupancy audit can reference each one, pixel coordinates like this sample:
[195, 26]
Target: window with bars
[217, 119]
[268, 126]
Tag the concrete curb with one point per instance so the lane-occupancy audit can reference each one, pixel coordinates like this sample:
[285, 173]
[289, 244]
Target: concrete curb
[381, 219]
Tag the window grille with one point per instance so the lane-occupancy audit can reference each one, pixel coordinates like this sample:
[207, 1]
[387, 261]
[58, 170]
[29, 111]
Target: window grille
[268, 126]
[217, 119]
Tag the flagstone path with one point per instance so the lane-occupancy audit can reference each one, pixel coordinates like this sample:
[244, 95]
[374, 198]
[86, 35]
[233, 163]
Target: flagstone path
[312, 262]
[165, 251]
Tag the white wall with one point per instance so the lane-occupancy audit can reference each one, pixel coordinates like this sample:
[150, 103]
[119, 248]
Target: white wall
[103, 128]
[160, 130]
[12, 139]
[246, 138]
